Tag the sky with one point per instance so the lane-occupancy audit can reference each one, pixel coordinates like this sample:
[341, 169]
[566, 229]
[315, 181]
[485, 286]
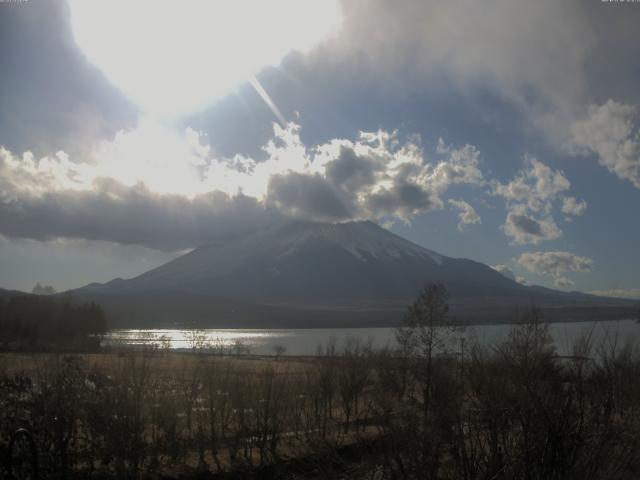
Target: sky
[502, 131]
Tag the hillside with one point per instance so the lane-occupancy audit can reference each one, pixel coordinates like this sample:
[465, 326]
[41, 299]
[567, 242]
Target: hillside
[310, 274]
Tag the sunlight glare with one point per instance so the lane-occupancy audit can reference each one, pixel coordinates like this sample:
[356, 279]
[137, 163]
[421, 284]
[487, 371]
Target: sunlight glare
[174, 58]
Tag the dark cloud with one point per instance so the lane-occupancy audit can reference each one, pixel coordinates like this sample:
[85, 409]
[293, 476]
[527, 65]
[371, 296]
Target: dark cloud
[51, 97]
[135, 215]
[525, 229]
[505, 47]
[526, 224]
[351, 172]
[403, 199]
[311, 197]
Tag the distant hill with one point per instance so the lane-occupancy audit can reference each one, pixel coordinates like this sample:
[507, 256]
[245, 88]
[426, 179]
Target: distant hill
[317, 274]
[5, 294]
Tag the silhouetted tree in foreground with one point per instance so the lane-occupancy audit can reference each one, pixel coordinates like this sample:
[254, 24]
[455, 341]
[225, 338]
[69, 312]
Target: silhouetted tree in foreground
[426, 333]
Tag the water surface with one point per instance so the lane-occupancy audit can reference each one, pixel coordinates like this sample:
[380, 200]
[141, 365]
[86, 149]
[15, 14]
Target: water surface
[306, 341]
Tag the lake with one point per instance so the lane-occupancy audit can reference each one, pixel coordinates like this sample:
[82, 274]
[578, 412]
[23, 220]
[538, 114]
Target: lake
[306, 341]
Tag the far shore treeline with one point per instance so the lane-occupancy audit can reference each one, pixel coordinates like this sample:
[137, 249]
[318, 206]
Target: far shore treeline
[28, 321]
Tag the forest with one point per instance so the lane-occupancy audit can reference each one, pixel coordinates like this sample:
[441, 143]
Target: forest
[45, 321]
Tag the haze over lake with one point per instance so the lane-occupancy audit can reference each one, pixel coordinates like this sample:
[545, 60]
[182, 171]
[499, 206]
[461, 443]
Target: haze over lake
[306, 341]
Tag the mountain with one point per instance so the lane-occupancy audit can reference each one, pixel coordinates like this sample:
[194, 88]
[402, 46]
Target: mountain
[303, 274]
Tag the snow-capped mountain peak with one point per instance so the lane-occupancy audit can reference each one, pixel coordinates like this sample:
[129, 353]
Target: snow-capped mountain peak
[363, 240]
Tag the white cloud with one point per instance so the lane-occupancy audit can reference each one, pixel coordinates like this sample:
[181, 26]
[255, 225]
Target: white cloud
[530, 198]
[372, 177]
[573, 206]
[563, 282]
[633, 293]
[156, 173]
[555, 264]
[467, 215]
[504, 270]
[536, 186]
[608, 131]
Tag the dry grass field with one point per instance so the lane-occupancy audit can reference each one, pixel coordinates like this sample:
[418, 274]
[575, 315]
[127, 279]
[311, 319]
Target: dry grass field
[167, 362]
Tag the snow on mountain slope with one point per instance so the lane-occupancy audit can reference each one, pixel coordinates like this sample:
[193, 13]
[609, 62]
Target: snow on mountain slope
[303, 262]
[361, 239]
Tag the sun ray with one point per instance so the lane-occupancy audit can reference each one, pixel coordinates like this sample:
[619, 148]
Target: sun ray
[267, 99]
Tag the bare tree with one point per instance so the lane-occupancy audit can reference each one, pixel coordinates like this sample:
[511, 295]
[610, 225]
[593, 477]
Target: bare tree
[352, 378]
[279, 350]
[426, 332]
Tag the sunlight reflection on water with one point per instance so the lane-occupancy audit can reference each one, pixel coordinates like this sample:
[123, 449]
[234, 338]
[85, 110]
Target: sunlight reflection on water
[306, 341]
[187, 338]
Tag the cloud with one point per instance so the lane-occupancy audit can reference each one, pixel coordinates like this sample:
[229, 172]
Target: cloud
[503, 50]
[536, 186]
[573, 206]
[403, 199]
[306, 196]
[378, 176]
[530, 198]
[563, 282]
[467, 215]
[527, 230]
[38, 109]
[633, 293]
[555, 264]
[511, 48]
[132, 215]
[166, 189]
[54, 197]
[504, 270]
[608, 131]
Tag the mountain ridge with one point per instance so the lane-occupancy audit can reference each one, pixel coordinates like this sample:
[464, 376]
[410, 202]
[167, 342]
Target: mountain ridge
[304, 250]
[298, 267]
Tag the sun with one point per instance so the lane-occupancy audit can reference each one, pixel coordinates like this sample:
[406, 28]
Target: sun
[176, 57]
